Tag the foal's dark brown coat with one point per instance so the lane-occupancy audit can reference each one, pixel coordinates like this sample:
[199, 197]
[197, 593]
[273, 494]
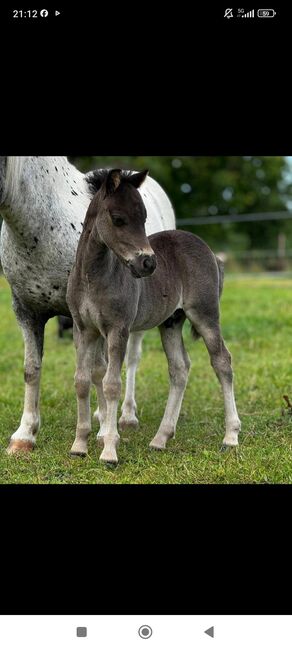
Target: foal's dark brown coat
[114, 289]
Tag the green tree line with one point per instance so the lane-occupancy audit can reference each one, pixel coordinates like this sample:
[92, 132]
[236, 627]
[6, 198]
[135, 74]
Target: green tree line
[218, 185]
[202, 186]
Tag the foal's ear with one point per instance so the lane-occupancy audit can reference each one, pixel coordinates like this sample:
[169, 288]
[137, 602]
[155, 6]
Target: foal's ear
[138, 179]
[113, 180]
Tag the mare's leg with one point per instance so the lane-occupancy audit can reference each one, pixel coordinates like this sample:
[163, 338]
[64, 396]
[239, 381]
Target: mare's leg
[178, 367]
[129, 407]
[117, 343]
[32, 327]
[221, 362]
[85, 350]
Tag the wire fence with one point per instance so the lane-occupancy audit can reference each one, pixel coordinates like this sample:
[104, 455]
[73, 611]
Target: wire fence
[276, 260]
[235, 218]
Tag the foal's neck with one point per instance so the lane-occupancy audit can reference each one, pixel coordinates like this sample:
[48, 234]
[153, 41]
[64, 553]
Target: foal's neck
[94, 258]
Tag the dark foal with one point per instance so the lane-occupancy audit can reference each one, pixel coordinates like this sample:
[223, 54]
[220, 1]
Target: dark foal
[113, 290]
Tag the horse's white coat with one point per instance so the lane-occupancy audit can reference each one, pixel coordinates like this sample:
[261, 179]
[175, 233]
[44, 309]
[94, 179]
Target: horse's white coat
[43, 220]
[44, 203]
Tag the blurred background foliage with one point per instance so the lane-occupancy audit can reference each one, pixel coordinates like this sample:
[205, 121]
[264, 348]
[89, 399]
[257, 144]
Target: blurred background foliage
[214, 186]
[219, 185]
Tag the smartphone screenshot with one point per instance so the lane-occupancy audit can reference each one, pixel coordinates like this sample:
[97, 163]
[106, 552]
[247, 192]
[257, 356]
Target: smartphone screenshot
[145, 327]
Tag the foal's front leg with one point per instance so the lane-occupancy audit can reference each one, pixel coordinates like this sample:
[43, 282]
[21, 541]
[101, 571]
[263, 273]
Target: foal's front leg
[128, 417]
[117, 344]
[85, 349]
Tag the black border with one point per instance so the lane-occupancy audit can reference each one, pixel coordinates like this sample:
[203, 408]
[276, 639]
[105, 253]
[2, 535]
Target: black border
[179, 549]
[156, 549]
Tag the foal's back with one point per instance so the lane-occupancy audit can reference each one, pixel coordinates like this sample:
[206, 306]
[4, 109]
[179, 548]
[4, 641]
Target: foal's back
[188, 276]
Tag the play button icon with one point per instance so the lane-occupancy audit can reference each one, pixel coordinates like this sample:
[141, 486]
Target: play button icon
[210, 632]
[57, 13]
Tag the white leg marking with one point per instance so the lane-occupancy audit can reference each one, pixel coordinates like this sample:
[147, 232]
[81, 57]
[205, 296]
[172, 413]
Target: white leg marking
[232, 420]
[30, 420]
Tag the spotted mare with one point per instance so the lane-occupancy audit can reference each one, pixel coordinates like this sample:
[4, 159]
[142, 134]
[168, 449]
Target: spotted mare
[43, 202]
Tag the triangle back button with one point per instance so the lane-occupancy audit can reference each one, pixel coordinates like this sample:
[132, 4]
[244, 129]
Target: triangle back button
[210, 632]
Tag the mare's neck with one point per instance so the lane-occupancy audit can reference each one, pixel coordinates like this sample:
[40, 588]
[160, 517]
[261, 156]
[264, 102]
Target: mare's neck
[39, 190]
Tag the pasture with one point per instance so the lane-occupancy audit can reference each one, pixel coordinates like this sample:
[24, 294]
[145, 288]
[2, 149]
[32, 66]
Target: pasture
[256, 317]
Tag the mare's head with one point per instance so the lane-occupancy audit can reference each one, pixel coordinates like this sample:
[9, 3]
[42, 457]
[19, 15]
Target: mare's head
[120, 221]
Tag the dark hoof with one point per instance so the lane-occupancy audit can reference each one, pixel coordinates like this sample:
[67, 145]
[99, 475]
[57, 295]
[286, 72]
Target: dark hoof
[225, 448]
[110, 465]
[74, 455]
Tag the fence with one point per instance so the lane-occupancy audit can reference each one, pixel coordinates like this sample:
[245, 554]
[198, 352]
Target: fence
[276, 260]
[279, 259]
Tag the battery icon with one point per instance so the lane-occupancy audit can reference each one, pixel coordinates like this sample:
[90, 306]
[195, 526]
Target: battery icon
[266, 13]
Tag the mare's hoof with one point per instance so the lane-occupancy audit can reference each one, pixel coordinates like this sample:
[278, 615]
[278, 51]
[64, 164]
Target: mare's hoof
[19, 446]
[75, 454]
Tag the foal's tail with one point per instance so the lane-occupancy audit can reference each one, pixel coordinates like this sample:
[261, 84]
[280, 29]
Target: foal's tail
[220, 265]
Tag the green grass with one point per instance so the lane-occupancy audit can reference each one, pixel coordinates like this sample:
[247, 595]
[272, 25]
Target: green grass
[257, 327]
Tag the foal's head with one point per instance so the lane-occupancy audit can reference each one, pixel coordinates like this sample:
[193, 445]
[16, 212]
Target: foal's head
[120, 221]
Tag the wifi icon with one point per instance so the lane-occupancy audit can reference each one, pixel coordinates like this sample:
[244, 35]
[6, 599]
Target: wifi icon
[250, 14]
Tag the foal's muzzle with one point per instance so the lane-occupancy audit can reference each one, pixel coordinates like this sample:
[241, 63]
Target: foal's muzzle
[143, 265]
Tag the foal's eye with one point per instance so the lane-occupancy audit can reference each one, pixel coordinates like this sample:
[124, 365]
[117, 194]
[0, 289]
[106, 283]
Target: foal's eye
[118, 220]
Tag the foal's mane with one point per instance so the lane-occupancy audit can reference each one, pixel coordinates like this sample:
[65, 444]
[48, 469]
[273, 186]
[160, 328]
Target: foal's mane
[96, 178]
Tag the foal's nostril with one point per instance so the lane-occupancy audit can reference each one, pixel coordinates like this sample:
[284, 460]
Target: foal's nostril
[149, 263]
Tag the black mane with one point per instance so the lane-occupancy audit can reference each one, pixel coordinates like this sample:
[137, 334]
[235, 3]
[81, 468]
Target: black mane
[95, 179]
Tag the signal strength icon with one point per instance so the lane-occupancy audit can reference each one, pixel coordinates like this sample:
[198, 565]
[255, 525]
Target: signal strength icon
[250, 14]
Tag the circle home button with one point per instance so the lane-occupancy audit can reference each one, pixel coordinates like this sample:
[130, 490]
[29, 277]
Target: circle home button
[145, 632]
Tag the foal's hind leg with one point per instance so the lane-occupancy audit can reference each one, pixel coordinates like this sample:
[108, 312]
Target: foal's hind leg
[178, 367]
[221, 363]
[129, 406]
[32, 326]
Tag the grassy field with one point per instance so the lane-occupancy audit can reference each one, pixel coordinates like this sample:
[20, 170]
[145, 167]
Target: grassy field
[257, 327]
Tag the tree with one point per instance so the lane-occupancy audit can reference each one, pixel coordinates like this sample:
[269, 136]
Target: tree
[205, 185]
